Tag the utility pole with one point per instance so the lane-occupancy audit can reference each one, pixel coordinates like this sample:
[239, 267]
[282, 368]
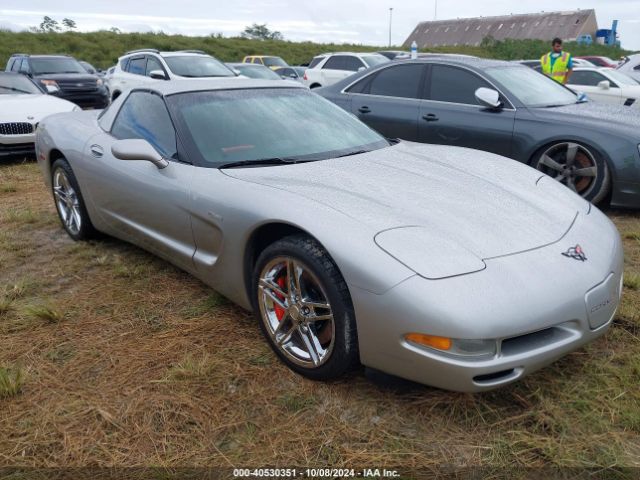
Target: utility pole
[435, 10]
[390, 17]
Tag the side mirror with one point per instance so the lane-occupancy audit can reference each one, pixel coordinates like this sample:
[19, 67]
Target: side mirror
[293, 75]
[488, 97]
[604, 85]
[137, 149]
[157, 75]
[361, 69]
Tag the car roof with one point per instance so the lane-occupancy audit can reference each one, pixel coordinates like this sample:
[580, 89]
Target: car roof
[200, 85]
[263, 56]
[476, 62]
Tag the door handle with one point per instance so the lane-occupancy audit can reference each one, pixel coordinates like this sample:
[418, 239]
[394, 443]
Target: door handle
[431, 117]
[364, 109]
[96, 151]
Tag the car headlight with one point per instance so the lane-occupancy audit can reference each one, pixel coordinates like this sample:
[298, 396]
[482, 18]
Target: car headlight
[454, 346]
[50, 85]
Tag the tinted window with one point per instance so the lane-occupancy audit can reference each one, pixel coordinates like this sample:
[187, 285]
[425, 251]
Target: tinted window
[259, 71]
[454, 85]
[124, 63]
[343, 62]
[137, 66]
[401, 81]
[374, 60]
[24, 66]
[586, 78]
[274, 62]
[315, 61]
[257, 60]
[153, 64]
[145, 116]
[16, 65]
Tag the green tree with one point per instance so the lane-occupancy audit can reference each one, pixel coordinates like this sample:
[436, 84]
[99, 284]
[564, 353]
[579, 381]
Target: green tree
[115, 30]
[49, 25]
[69, 24]
[261, 32]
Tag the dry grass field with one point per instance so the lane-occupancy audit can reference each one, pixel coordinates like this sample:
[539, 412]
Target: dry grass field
[112, 357]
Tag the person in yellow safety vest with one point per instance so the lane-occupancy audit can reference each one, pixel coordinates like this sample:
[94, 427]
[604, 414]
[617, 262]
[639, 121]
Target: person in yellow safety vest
[557, 64]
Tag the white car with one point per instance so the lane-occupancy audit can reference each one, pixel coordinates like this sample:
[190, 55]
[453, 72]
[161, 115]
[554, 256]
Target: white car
[631, 66]
[22, 106]
[137, 67]
[329, 68]
[606, 85]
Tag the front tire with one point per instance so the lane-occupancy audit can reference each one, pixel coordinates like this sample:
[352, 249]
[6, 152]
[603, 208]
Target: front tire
[69, 202]
[579, 167]
[303, 306]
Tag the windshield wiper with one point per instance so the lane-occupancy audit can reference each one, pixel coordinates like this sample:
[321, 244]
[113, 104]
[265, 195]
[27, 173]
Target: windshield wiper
[262, 161]
[15, 89]
[355, 152]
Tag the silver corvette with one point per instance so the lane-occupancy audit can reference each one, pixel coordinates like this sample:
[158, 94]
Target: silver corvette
[447, 266]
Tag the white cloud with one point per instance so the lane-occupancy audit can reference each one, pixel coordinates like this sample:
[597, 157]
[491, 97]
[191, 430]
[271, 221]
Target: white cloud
[359, 21]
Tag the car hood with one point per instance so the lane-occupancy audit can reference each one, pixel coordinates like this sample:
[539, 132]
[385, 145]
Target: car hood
[72, 77]
[490, 205]
[591, 114]
[17, 108]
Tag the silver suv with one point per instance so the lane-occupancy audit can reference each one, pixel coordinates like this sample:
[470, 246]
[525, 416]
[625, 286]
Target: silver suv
[138, 67]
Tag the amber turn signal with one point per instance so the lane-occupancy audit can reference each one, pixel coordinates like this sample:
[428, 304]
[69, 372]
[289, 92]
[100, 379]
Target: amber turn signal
[440, 343]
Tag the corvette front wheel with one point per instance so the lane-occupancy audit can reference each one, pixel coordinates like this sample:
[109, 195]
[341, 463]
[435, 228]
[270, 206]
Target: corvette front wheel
[304, 308]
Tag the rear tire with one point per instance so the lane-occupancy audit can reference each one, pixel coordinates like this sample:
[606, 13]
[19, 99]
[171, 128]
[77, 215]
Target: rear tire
[315, 85]
[294, 282]
[579, 167]
[69, 202]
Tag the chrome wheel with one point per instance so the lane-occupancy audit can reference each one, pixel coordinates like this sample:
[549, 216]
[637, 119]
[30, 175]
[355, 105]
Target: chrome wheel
[296, 312]
[571, 164]
[67, 202]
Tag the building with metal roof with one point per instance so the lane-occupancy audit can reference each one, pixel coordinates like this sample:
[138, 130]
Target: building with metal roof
[568, 25]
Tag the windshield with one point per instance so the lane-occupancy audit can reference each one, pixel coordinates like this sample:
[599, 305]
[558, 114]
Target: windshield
[197, 66]
[48, 65]
[294, 123]
[622, 78]
[274, 62]
[373, 60]
[257, 71]
[16, 85]
[532, 88]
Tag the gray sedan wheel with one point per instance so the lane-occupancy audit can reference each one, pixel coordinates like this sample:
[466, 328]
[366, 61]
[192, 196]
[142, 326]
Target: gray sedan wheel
[69, 202]
[578, 167]
[304, 308]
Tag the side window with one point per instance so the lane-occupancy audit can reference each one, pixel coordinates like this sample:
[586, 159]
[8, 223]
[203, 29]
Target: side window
[24, 66]
[334, 63]
[137, 65]
[16, 65]
[454, 85]
[399, 81]
[144, 115]
[152, 64]
[315, 62]
[588, 78]
[257, 60]
[124, 64]
[353, 64]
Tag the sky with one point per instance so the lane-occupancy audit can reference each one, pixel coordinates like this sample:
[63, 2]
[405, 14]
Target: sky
[339, 21]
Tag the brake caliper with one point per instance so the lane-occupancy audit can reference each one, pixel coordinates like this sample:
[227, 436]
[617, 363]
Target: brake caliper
[277, 308]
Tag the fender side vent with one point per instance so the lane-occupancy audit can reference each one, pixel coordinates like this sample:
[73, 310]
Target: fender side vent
[629, 102]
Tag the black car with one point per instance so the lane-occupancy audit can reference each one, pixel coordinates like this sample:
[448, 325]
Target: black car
[62, 76]
[504, 108]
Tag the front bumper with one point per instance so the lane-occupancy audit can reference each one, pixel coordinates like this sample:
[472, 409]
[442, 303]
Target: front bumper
[17, 145]
[538, 305]
[98, 99]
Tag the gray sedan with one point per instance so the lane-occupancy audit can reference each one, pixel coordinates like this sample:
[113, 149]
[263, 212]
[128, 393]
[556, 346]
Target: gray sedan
[504, 108]
[447, 266]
